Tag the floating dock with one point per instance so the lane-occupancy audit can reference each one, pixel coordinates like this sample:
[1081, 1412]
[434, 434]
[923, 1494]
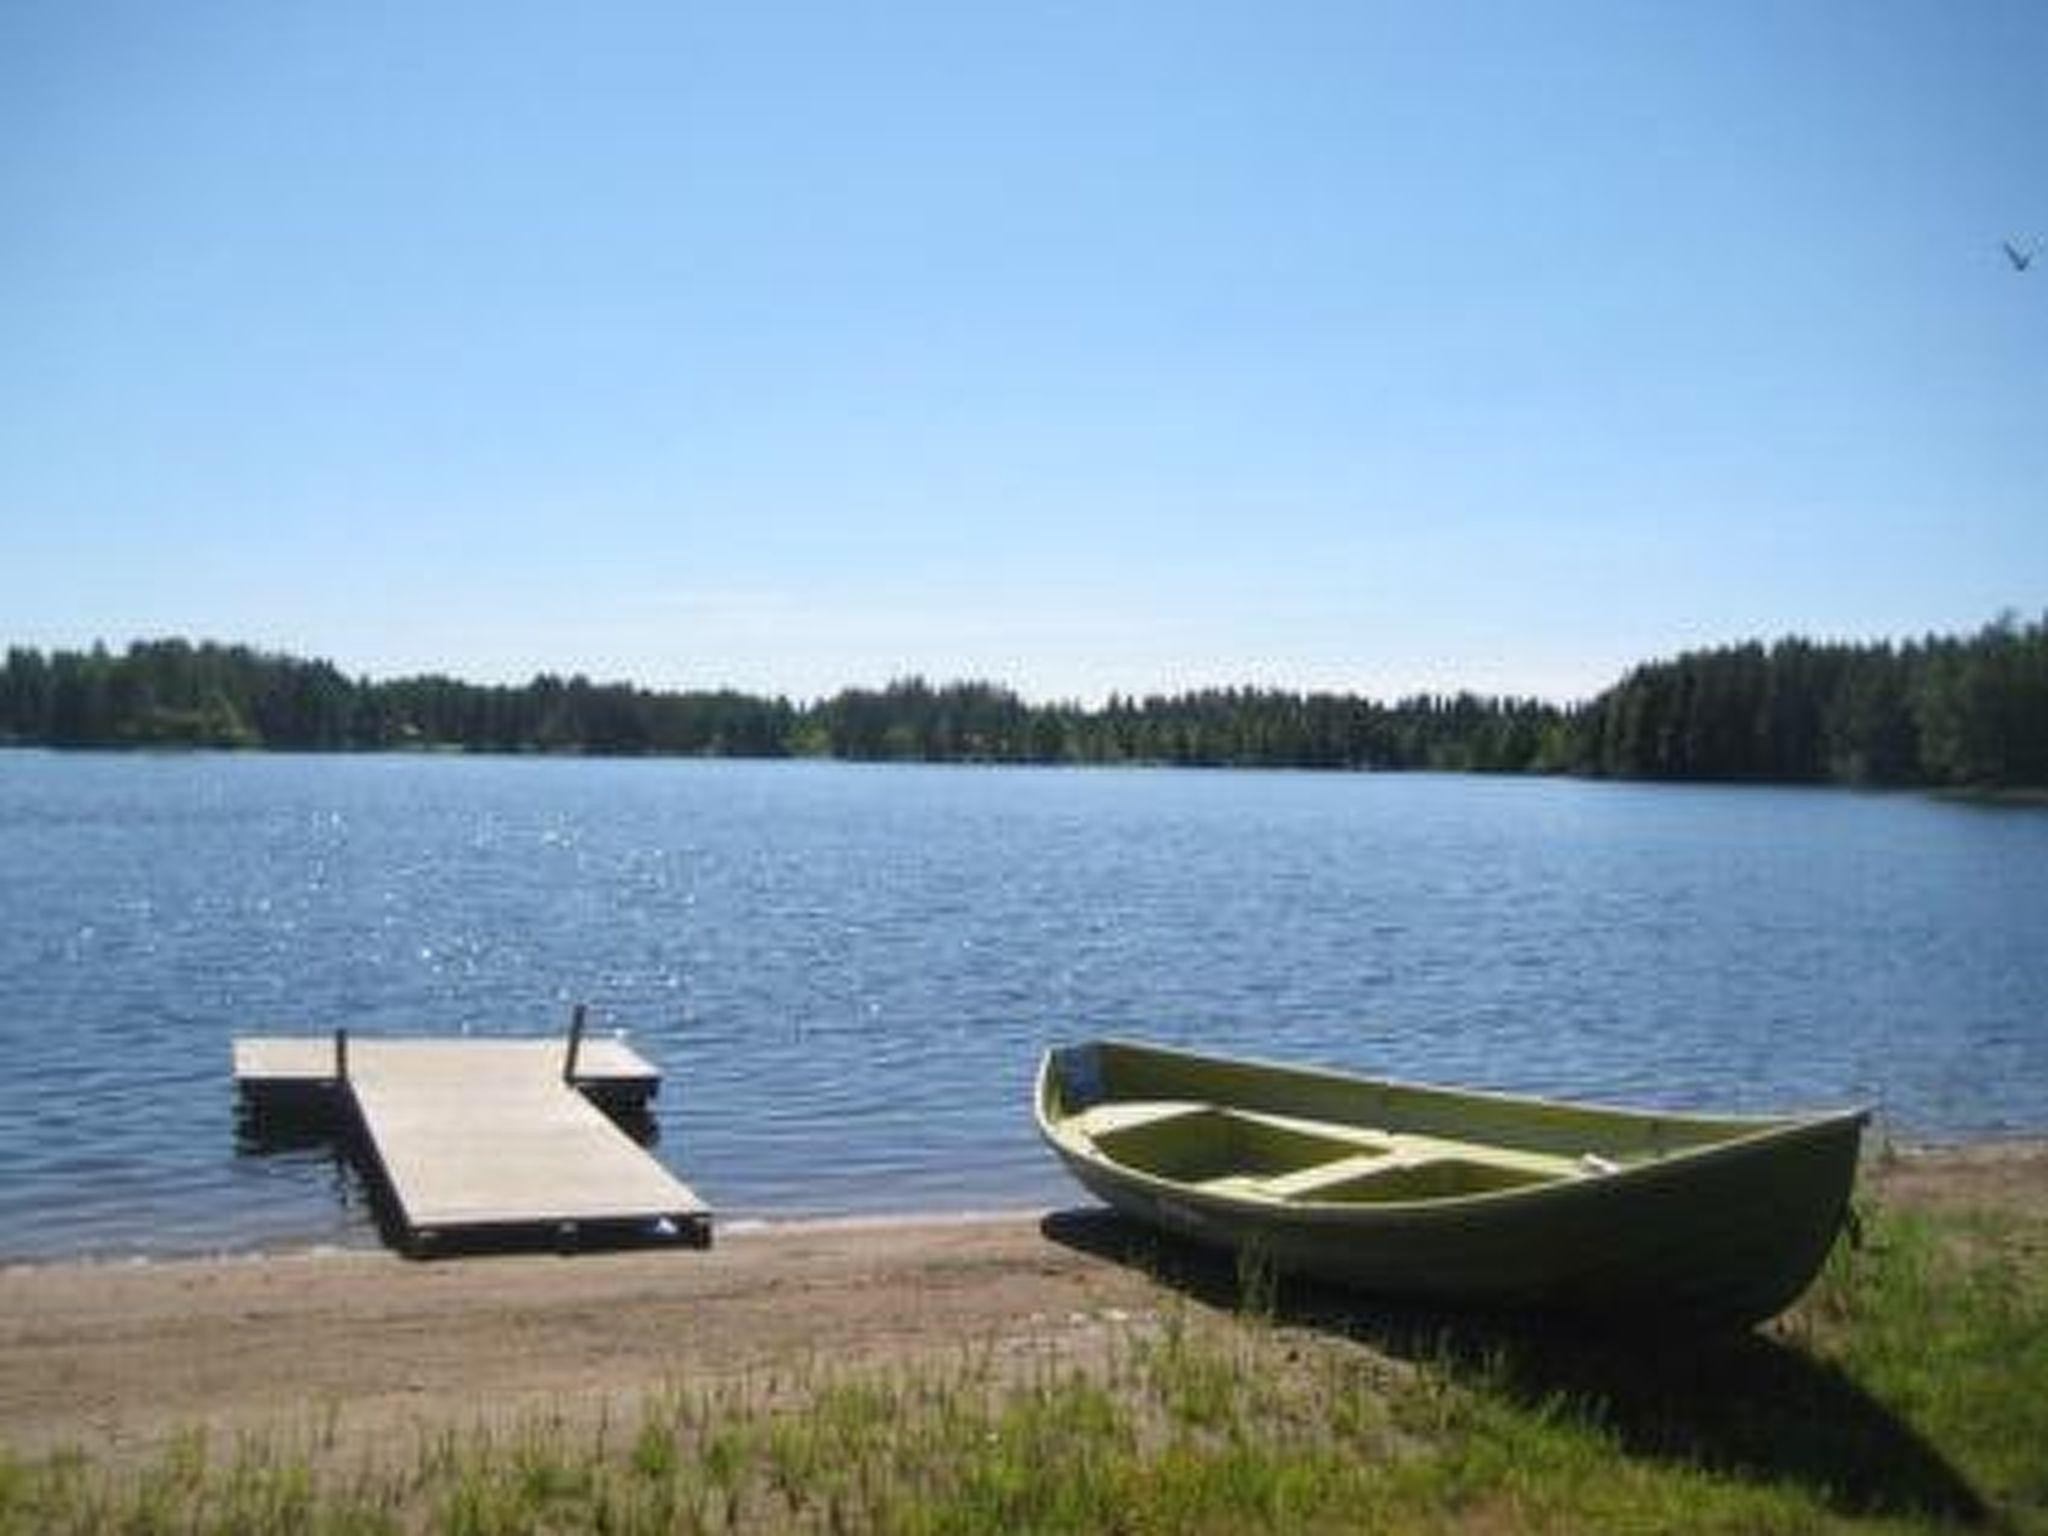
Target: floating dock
[485, 1141]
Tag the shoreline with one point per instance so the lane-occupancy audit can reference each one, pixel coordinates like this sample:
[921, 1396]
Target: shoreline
[742, 1227]
[360, 1348]
[1946, 1151]
[1884, 1162]
[2020, 796]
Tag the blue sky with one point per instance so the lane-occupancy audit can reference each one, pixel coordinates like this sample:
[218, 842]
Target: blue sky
[1079, 346]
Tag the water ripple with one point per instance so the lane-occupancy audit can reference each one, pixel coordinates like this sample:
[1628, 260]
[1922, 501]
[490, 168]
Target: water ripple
[849, 971]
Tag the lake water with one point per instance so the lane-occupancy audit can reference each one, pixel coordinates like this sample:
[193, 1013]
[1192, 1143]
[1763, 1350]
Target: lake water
[848, 971]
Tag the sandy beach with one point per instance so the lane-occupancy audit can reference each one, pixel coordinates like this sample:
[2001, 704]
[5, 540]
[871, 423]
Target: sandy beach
[356, 1348]
[113, 1357]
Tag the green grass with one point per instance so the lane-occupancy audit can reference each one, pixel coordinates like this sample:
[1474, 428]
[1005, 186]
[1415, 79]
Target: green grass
[1909, 1392]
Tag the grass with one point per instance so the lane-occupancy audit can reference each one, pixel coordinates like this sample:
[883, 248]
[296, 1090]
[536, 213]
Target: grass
[1909, 1391]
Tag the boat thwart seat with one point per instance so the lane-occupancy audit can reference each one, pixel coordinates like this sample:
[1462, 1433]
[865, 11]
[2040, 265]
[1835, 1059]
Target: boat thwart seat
[1264, 1156]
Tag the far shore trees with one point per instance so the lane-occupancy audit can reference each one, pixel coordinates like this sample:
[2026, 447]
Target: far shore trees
[1940, 712]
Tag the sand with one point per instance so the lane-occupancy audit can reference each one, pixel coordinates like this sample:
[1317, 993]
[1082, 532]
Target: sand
[367, 1347]
[112, 1358]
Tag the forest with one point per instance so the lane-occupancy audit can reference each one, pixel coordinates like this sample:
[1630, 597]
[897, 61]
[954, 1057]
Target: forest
[1960, 711]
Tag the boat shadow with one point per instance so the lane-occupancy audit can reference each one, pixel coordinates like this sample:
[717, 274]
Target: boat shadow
[1742, 1404]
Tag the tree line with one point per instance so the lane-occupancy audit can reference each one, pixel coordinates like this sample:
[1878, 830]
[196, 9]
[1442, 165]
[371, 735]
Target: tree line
[1941, 712]
[1962, 711]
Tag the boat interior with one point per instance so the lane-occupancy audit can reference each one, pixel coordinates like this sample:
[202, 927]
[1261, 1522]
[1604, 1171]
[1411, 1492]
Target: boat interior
[1290, 1135]
[1249, 1153]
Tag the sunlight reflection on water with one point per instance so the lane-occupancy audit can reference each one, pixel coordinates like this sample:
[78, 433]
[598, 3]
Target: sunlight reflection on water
[848, 971]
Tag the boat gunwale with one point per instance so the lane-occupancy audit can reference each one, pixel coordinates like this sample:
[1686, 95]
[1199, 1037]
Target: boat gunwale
[1767, 1131]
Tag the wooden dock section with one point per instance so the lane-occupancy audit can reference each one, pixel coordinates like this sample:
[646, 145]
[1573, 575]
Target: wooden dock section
[485, 1140]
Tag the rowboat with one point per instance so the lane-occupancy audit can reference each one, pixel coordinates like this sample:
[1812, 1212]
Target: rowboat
[1453, 1197]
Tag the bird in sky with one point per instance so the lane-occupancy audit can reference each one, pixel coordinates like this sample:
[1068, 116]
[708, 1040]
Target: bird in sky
[2021, 260]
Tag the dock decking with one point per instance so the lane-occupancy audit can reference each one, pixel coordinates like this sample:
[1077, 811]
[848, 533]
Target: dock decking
[486, 1138]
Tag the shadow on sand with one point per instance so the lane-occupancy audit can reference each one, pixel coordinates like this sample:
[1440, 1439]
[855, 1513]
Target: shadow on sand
[1741, 1404]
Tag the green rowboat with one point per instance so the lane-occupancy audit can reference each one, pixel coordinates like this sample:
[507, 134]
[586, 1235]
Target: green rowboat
[1458, 1198]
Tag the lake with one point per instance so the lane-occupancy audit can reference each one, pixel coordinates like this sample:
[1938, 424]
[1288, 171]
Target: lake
[848, 971]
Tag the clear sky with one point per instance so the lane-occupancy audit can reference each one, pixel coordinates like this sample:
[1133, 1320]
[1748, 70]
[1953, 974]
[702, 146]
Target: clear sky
[1078, 346]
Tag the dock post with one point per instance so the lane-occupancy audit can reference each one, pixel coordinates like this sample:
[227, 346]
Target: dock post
[341, 1055]
[575, 1044]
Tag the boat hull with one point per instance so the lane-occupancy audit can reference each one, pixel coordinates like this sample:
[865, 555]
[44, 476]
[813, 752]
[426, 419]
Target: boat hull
[1726, 1228]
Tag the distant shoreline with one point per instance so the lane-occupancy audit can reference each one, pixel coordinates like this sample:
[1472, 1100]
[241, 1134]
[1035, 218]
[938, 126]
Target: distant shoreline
[2029, 797]
[2023, 797]
[1943, 711]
